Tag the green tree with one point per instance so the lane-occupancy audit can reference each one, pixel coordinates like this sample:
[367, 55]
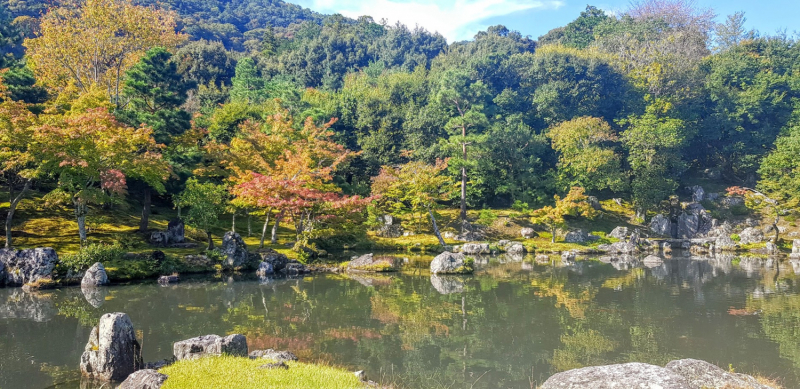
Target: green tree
[206, 202]
[780, 169]
[155, 93]
[587, 155]
[655, 145]
[464, 97]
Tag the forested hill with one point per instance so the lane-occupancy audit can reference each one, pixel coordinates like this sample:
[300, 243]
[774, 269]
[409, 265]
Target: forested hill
[637, 105]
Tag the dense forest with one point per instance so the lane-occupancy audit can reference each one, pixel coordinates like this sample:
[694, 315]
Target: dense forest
[263, 106]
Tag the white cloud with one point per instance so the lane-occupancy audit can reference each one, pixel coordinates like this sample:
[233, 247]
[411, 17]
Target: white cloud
[455, 19]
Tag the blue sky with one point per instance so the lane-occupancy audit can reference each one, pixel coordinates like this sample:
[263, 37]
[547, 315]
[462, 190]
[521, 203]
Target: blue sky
[461, 19]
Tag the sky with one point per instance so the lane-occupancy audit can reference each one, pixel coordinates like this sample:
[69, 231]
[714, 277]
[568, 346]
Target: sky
[461, 19]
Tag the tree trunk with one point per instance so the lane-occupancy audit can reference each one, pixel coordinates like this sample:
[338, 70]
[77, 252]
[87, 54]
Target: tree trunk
[145, 221]
[464, 175]
[12, 207]
[210, 241]
[436, 229]
[264, 230]
[553, 235]
[274, 239]
[233, 222]
[249, 222]
[82, 228]
[80, 214]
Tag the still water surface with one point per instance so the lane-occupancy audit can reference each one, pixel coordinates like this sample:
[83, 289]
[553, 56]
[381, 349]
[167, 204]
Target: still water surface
[512, 324]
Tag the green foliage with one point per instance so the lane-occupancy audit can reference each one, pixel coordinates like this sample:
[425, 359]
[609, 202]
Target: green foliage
[156, 91]
[206, 202]
[88, 255]
[587, 155]
[486, 217]
[736, 237]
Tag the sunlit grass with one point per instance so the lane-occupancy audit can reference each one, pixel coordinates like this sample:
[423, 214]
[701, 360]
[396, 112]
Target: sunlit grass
[243, 373]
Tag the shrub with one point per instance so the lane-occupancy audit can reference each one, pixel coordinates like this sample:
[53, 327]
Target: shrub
[520, 207]
[736, 238]
[486, 217]
[88, 255]
[740, 210]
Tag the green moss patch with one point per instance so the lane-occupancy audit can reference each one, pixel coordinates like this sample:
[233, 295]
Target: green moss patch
[243, 373]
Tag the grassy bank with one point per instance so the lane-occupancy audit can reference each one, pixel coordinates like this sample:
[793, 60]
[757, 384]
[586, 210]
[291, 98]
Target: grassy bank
[243, 373]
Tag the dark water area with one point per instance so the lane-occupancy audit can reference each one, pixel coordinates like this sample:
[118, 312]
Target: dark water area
[512, 324]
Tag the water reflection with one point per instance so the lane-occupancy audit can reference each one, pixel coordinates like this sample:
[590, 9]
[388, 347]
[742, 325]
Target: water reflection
[516, 321]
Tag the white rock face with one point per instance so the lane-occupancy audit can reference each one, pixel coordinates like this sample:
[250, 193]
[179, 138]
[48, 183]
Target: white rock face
[144, 379]
[112, 353]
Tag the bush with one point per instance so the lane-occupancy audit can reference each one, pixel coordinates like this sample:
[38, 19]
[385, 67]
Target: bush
[88, 255]
[736, 238]
[486, 217]
[520, 207]
[740, 210]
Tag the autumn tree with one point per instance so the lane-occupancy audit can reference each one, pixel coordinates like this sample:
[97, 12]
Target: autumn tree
[95, 42]
[276, 167]
[414, 188]
[92, 155]
[206, 201]
[574, 204]
[19, 163]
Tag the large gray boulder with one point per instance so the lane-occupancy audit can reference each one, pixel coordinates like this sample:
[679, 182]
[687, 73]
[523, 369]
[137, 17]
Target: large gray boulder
[144, 379]
[698, 193]
[701, 374]
[751, 235]
[176, 231]
[661, 225]
[113, 352]
[577, 236]
[620, 233]
[25, 266]
[277, 259]
[795, 253]
[210, 345]
[475, 248]
[724, 243]
[265, 269]
[2, 274]
[234, 250]
[95, 276]
[515, 248]
[451, 263]
[621, 376]
[528, 233]
[371, 263]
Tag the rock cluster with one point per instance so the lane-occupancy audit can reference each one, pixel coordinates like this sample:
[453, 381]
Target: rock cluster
[476, 249]
[277, 356]
[234, 251]
[680, 374]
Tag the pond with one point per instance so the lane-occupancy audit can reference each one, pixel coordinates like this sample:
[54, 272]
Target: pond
[512, 324]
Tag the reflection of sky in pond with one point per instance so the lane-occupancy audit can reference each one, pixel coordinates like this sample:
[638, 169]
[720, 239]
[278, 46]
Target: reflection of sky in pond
[510, 324]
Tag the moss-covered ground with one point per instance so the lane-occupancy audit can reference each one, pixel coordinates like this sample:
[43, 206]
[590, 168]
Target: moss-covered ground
[244, 373]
